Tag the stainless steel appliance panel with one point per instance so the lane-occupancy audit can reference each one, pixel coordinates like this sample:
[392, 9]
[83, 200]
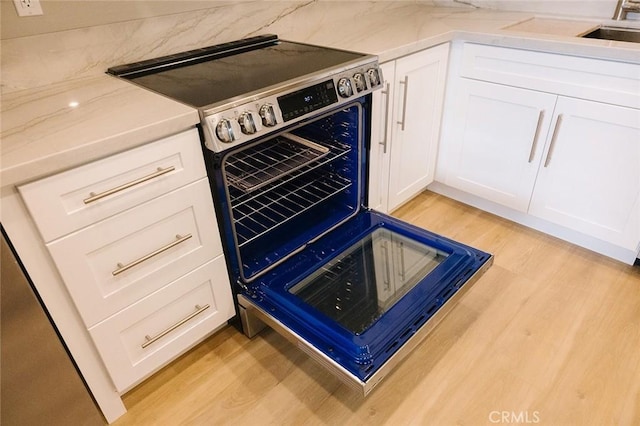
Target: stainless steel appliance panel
[40, 384]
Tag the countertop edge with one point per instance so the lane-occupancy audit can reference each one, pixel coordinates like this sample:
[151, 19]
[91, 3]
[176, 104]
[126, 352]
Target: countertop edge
[572, 46]
[96, 150]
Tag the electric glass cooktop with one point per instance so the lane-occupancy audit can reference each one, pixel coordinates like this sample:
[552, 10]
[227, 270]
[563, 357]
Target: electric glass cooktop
[207, 76]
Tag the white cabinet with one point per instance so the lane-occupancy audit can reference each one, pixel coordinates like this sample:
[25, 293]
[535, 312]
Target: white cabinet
[135, 239]
[406, 127]
[589, 179]
[570, 161]
[497, 140]
[565, 165]
[380, 150]
[109, 265]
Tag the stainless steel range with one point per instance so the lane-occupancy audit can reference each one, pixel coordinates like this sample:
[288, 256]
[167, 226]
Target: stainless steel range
[247, 88]
[286, 129]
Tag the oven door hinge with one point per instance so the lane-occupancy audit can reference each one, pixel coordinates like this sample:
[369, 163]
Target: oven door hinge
[243, 286]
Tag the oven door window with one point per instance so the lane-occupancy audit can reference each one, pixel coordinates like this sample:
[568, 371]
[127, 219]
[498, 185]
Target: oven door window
[366, 280]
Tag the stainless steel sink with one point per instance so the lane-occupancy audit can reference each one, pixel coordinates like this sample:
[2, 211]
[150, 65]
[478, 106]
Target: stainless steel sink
[612, 33]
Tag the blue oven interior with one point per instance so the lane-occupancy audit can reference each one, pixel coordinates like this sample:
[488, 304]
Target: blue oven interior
[303, 247]
[285, 190]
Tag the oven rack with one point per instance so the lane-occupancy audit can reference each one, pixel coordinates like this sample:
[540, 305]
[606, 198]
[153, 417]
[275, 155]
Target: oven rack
[237, 197]
[261, 164]
[270, 210]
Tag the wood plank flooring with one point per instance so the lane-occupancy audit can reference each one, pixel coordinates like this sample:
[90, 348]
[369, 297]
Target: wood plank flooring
[549, 335]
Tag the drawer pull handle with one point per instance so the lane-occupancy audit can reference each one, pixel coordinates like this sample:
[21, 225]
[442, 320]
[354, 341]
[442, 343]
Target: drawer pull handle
[536, 136]
[122, 268]
[554, 137]
[149, 340]
[404, 102]
[95, 197]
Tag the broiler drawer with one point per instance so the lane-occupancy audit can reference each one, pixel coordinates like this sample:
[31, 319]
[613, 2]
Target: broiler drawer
[145, 336]
[70, 200]
[114, 263]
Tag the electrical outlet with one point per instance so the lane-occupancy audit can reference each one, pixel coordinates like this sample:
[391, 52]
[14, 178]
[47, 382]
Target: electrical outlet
[28, 7]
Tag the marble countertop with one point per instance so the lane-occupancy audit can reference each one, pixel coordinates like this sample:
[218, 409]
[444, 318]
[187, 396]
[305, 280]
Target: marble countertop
[51, 129]
[59, 126]
[404, 28]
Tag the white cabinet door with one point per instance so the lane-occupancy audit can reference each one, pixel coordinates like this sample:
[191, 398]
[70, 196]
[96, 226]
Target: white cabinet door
[380, 148]
[495, 141]
[590, 179]
[417, 110]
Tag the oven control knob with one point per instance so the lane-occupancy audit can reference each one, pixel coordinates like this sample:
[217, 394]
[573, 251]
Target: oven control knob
[374, 76]
[344, 87]
[361, 83]
[224, 131]
[268, 115]
[247, 123]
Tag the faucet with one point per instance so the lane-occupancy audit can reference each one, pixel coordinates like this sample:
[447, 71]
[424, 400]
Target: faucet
[625, 6]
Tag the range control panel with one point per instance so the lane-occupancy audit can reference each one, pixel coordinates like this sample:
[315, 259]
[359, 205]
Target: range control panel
[253, 117]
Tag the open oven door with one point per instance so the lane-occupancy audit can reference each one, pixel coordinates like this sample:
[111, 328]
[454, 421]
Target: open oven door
[360, 298]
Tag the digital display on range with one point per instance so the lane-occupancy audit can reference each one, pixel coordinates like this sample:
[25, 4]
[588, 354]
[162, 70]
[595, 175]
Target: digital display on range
[307, 100]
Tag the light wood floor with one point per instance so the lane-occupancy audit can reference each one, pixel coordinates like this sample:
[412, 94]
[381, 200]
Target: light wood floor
[549, 335]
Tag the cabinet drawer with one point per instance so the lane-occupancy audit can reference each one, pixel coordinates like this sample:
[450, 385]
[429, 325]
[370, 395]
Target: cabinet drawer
[70, 200]
[109, 265]
[145, 336]
[587, 78]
